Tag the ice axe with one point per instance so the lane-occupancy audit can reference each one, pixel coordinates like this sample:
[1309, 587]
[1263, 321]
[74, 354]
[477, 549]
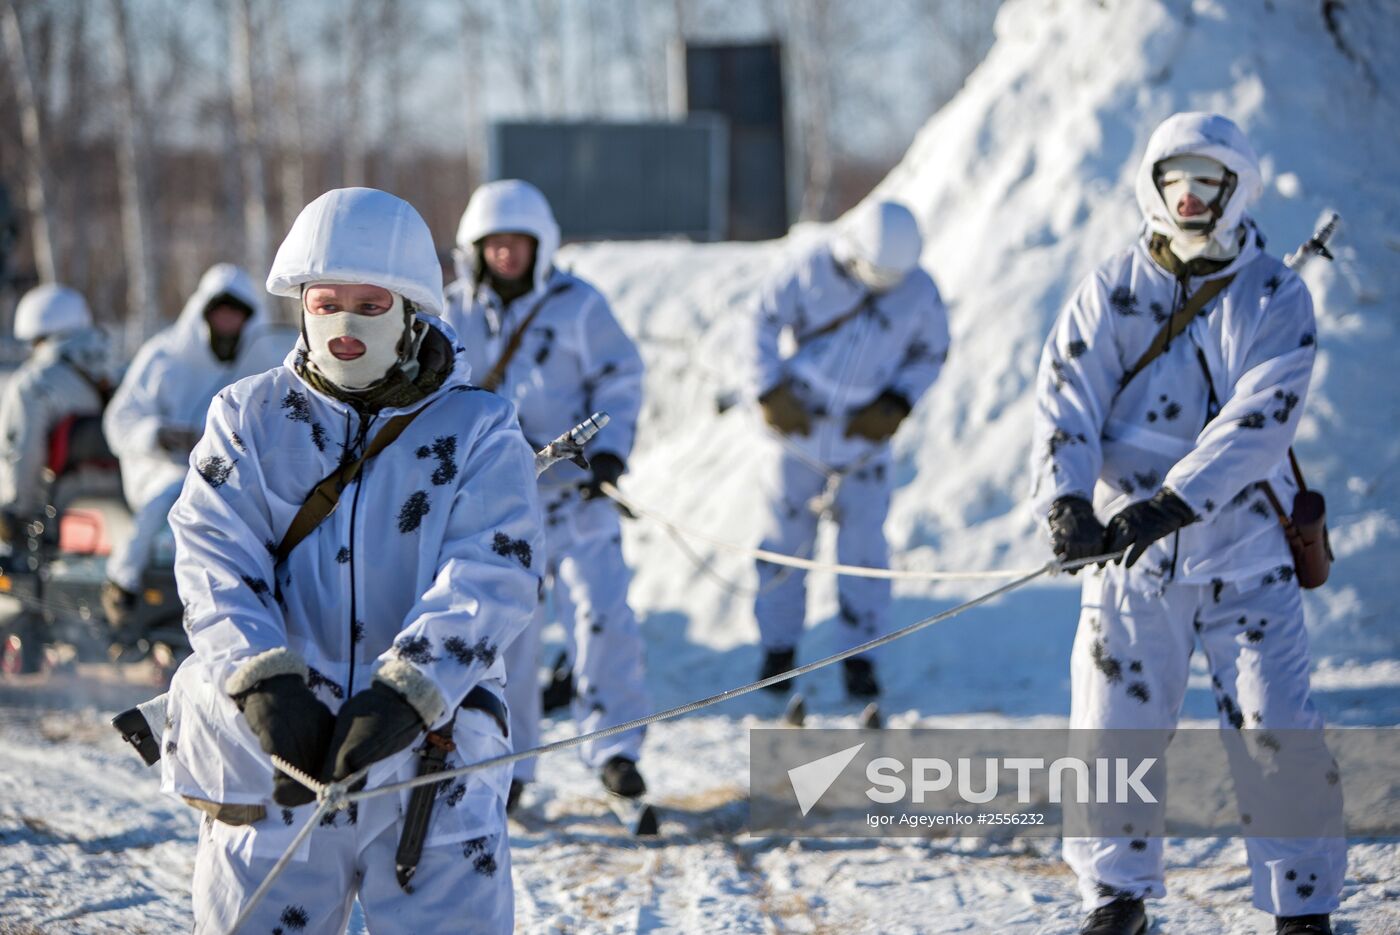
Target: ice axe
[569, 446]
[1316, 245]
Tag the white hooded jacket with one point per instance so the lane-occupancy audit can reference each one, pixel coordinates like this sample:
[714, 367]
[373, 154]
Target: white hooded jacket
[1117, 445]
[897, 341]
[173, 378]
[60, 379]
[574, 359]
[427, 567]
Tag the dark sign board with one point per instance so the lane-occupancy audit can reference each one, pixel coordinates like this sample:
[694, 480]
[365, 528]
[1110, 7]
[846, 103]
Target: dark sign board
[622, 180]
[744, 84]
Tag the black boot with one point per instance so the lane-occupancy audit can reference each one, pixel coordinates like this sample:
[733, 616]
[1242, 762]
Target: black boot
[1123, 916]
[776, 661]
[620, 777]
[513, 796]
[560, 690]
[117, 604]
[1320, 924]
[860, 678]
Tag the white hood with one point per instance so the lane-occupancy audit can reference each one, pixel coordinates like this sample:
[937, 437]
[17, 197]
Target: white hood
[1200, 134]
[220, 279]
[509, 206]
[86, 348]
[49, 310]
[360, 235]
[882, 234]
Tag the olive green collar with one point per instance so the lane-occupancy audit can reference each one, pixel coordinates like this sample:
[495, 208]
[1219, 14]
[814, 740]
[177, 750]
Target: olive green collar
[1160, 249]
[398, 389]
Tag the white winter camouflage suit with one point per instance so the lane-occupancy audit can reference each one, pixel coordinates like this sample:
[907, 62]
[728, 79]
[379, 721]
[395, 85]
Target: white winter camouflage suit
[1226, 580]
[169, 385]
[57, 381]
[574, 360]
[898, 343]
[426, 570]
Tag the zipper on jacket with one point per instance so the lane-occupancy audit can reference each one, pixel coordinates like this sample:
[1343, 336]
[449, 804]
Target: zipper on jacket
[854, 349]
[360, 441]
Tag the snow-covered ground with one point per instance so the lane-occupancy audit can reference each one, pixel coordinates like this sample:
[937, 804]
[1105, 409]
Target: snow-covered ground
[1022, 183]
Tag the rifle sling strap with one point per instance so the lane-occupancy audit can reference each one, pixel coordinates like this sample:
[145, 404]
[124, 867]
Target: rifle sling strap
[497, 373]
[325, 496]
[836, 322]
[1176, 324]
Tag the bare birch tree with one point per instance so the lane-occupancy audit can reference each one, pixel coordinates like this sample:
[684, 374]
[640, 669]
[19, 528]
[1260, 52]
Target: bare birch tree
[36, 182]
[142, 307]
[810, 32]
[256, 236]
[291, 176]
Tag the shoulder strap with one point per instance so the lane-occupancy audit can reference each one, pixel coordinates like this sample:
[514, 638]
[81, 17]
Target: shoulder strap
[497, 373]
[103, 388]
[325, 496]
[1176, 324]
[836, 322]
[1283, 516]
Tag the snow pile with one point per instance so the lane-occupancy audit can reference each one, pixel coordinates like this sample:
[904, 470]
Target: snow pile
[1023, 183]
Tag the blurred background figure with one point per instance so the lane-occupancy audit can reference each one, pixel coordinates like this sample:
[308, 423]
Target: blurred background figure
[65, 376]
[870, 334]
[158, 412]
[548, 342]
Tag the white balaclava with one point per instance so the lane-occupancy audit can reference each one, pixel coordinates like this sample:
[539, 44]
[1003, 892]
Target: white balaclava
[382, 335]
[1213, 184]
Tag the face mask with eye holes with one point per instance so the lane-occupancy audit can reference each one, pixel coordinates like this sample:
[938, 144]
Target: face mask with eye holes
[1199, 185]
[380, 334]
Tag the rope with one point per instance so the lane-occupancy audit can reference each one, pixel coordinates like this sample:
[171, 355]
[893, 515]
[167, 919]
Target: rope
[791, 561]
[1051, 567]
[336, 795]
[822, 505]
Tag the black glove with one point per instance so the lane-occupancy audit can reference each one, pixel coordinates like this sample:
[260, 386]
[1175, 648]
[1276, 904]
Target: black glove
[878, 419]
[784, 411]
[1075, 532]
[1143, 523]
[290, 722]
[375, 723]
[11, 529]
[607, 469]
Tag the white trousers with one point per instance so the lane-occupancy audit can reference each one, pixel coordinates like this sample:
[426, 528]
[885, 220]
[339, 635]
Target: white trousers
[790, 527]
[127, 563]
[459, 888]
[588, 580]
[1129, 670]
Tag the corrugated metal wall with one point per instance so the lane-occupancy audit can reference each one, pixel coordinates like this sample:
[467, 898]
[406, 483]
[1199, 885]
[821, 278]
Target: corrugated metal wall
[622, 180]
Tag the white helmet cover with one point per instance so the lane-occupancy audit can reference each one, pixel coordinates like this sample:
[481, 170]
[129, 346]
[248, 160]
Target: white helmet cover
[882, 236]
[1199, 134]
[360, 235]
[48, 310]
[509, 206]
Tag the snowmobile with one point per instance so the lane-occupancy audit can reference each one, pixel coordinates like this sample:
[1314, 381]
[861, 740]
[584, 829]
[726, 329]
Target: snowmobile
[51, 582]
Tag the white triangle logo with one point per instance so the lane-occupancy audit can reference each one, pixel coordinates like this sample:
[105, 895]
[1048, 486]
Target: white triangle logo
[811, 780]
